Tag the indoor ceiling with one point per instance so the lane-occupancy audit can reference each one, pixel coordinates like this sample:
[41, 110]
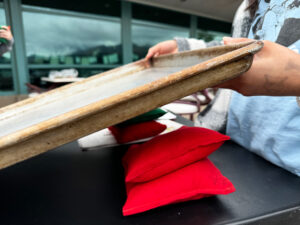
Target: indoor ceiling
[216, 9]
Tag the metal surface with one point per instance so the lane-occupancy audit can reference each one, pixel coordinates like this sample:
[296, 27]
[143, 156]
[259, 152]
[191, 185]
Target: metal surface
[57, 117]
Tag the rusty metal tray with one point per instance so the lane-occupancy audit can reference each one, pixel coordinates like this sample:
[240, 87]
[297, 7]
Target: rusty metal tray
[38, 124]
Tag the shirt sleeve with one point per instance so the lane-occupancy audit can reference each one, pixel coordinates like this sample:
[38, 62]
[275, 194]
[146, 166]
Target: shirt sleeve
[186, 44]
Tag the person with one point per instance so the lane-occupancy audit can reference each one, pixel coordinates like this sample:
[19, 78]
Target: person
[261, 113]
[6, 40]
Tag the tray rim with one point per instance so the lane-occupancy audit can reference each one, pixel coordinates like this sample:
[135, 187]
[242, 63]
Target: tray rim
[246, 49]
[69, 132]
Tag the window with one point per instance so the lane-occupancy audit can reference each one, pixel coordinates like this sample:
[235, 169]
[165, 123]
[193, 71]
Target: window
[145, 35]
[57, 39]
[211, 35]
[6, 80]
[154, 14]
[206, 24]
[152, 25]
[212, 30]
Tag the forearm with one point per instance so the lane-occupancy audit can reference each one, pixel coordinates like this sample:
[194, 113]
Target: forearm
[275, 71]
[285, 81]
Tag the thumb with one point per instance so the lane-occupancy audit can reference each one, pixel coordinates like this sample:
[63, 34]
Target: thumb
[230, 40]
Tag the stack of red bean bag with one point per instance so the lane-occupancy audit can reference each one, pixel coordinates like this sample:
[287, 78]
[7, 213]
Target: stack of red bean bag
[173, 168]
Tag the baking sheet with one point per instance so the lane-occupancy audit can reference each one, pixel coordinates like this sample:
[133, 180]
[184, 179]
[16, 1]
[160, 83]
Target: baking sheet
[36, 125]
[46, 109]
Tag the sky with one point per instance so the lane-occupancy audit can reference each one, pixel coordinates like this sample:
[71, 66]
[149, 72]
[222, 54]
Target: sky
[48, 35]
[62, 35]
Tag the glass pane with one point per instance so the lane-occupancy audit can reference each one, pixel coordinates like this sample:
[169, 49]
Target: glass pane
[5, 58]
[213, 25]
[37, 74]
[154, 14]
[57, 39]
[144, 37]
[6, 81]
[211, 35]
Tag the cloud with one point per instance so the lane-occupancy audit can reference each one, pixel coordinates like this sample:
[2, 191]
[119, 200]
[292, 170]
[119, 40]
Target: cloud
[61, 35]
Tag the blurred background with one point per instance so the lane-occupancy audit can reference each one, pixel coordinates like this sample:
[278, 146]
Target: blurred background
[95, 36]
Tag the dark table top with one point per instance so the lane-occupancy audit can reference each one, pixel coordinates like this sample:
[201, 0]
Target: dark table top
[68, 186]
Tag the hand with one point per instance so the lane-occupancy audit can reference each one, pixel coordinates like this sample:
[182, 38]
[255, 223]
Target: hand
[6, 33]
[165, 47]
[275, 71]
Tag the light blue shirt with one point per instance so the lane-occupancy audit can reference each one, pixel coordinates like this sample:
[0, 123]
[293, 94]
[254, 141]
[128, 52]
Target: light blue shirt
[270, 126]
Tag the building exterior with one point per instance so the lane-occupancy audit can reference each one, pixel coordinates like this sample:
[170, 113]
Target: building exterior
[90, 36]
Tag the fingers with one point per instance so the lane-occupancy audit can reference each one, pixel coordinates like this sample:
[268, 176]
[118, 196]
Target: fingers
[5, 34]
[150, 54]
[5, 27]
[153, 52]
[230, 40]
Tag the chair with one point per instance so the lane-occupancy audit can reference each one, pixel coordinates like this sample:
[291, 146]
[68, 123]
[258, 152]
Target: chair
[192, 104]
